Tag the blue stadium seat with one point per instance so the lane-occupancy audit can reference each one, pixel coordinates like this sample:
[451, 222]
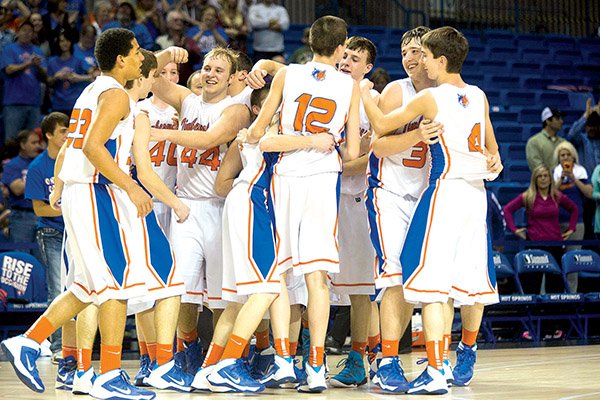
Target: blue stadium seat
[502, 265]
[376, 34]
[502, 116]
[525, 68]
[390, 48]
[536, 54]
[474, 38]
[395, 34]
[567, 56]
[590, 44]
[534, 261]
[570, 81]
[501, 81]
[474, 79]
[492, 66]
[470, 67]
[389, 62]
[518, 97]
[295, 32]
[586, 69]
[530, 41]
[530, 115]
[397, 73]
[531, 129]
[517, 171]
[532, 82]
[515, 151]
[477, 53]
[561, 42]
[501, 53]
[559, 100]
[508, 132]
[586, 263]
[499, 38]
[506, 191]
[553, 71]
[591, 57]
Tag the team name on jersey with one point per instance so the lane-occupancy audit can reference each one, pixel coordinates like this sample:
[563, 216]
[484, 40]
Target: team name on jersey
[173, 124]
[193, 125]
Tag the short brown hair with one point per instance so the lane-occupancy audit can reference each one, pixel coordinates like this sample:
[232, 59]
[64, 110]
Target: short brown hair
[326, 34]
[227, 54]
[360, 43]
[415, 33]
[450, 43]
[148, 65]
[50, 122]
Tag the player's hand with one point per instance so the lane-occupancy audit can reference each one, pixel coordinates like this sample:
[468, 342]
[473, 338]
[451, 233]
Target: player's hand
[366, 86]
[256, 78]
[182, 211]
[429, 131]
[324, 142]
[521, 233]
[178, 55]
[140, 199]
[54, 199]
[242, 135]
[494, 162]
[566, 234]
[365, 142]
[158, 135]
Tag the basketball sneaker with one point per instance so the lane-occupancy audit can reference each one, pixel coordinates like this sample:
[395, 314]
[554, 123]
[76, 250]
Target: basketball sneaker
[353, 374]
[261, 362]
[448, 372]
[230, 375]
[83, 381]
[170, 376]
[390, 376]
[315, 379]
[465, 364]
[200, 382]
[280, 372]
[66, 373]
[193, 356]
[115, 385]
[431, 381]
[374, 357]
[144, 371]
[23, 353]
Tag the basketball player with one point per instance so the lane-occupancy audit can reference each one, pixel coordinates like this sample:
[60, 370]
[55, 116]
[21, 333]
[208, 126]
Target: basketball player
[238, 90]
[441, 264]
[315, 98]
[96, 184]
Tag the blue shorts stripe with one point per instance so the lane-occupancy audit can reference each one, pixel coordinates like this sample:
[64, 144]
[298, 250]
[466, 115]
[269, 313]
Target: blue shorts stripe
[374, 229]
[160, 251]
[490, 258]
[263, 234]
[110, 234]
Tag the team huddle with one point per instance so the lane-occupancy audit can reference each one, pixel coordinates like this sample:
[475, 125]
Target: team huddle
[267, 202]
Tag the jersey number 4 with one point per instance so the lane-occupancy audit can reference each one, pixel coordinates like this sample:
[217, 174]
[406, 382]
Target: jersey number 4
[322, 112]
[157, 154]
[79, 122]
[209, 158]
[475, 139]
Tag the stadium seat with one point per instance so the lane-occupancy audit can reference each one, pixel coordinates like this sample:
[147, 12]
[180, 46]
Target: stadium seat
[501, 82]
[492, 66]
[518, 98]
[395, 34]
[508, 132]
[515, 151]
[556, 70]
[501, 54]
[534, 261]
[587, 264]
[474, 79]
[499, 38]
[517, 171]
[530, 115]
[561, 42]
[525, 68]
[530, 41]
[531, 82]
[502, 116]
[567, 56]
[559, 100]
[536, 54]
[376, 34]
[477, 53]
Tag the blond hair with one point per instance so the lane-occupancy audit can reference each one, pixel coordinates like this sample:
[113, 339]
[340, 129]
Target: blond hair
[532, 190]
[225, 54]
[564, 145]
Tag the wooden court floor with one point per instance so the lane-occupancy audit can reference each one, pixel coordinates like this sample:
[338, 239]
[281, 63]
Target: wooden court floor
[569, 372]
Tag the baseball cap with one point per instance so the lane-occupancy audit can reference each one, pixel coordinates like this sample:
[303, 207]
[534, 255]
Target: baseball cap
[550, 112]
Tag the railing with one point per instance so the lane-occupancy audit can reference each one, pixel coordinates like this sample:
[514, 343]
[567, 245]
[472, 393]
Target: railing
[571, 17]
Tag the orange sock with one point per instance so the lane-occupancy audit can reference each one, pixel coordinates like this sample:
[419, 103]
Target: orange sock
[389, 348]
[69, 352]
[262, 340]
[40, 330]
[163, 352]
[282, 347]
[304, 323]
[180, 347]
[246, 351]
[469, 337]
[213, 355]
[435, 349]
[374, 341]
[359, 347]
[234, 348]
[84, 359]
[190, 336]
[293, 348]
[143, 348]
[316, 356]
[447, 341]
[110, 358]
[151, 350]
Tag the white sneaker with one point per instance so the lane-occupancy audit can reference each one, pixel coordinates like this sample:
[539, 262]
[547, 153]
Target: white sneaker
[431, 381]
[170, 376]
[200, 382]
[316, 381]
[282, 371]
[448, 372]
[115, 384]
[83, 381]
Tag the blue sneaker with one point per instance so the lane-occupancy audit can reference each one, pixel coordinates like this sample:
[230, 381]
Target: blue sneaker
[230, 375]
[144, 371]
[305, 334]
[179, 358]
[353, 374]
[170, 376]
[431, 381]
[84, 381]
[465, 364]
[115, 385]
[66, 373]
[374, 357]
[281, 372]
[193, 356]
[261, 362]
[390, 376]
[23, 353]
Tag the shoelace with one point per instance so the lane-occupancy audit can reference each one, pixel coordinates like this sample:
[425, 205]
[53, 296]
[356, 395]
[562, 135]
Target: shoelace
[464, 361]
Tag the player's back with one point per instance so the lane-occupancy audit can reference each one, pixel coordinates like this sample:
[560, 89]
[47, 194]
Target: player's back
[316, 98]
[459, 153]
[76, 166]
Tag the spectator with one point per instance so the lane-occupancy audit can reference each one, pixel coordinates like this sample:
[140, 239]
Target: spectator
[40, 37]
[18, 10]
[50, 225]
[192, 9]
[542, 203]
[67, 77]
[149, 16]
[7, 35]
[175, 36]
[103, 14]
[380, 79]
[235, 25]
[58, 20]
[22, 218]
[540, 147]
[35, 6]
[207, 34]
[87, 43]
[77, 10]
[585, 136]
[194, 83]
[268, 21]
[303, 54]
[126, 18]
[244, 6]
[24, 67]
[596, 198]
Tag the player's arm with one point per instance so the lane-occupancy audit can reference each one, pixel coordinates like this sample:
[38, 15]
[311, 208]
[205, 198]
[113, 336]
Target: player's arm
[351, 148]
[230, 168]
[58, 183]
[262, 68]
[171, 93]
[146, 174]
[270, 106]
[232, 119]
[113, 106]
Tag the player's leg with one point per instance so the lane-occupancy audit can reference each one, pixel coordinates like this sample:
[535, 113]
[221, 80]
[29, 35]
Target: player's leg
[448, 320]
[374, 340]
[466, 352]
[67, 366]
[144, 326]
[87, 326]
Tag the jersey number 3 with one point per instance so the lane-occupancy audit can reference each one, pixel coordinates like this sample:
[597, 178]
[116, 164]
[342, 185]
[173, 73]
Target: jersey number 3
[322, 113]
[79, 119]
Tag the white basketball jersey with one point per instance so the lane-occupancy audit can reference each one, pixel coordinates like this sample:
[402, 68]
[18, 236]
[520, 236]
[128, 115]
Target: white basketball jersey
[243, 97]
[196, 168]
[316, 98]
[459, 153]
[254, 166]
[404, 173]
[356, 184]
[76, 167]
[163, 155]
